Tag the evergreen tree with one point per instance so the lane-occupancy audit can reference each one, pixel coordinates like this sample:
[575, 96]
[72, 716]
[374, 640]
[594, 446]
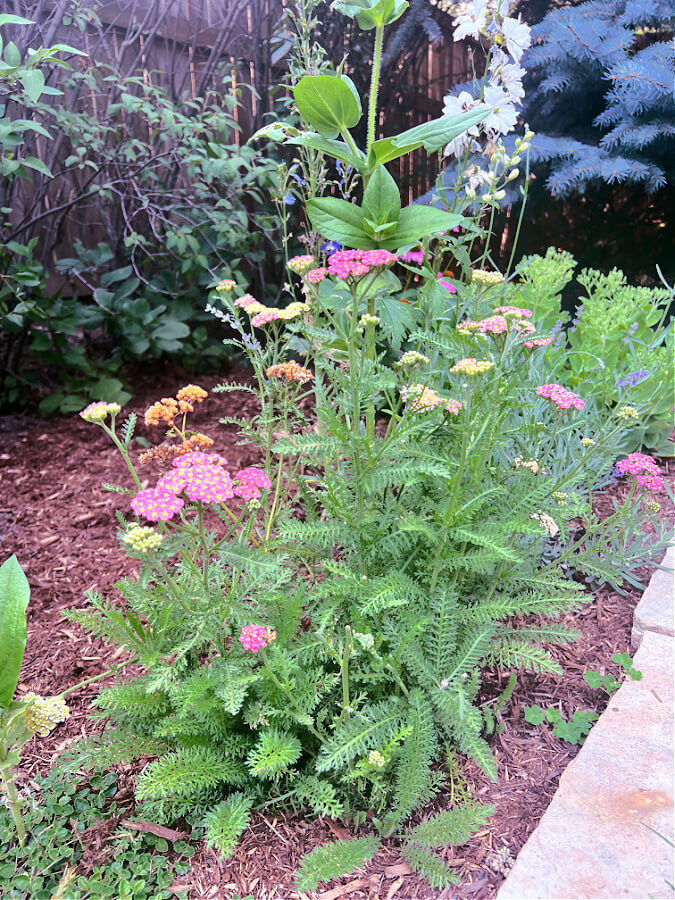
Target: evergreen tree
[601, 100]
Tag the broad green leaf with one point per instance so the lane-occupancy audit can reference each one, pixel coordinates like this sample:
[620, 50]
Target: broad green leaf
[330, 103]
[7, 19]
[385, 150]
[417, 222]
[338, 220]
[33, 82]
[336, 149]
[371, 13]
[435, 134]
[12, 55]
[32, 163]
[381, 198]
[14, 597]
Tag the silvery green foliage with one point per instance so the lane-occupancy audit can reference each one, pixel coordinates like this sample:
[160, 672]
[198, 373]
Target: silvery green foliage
[602, 100]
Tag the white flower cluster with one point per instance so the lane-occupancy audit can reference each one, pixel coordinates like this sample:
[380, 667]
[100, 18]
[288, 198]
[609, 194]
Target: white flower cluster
[503, 89]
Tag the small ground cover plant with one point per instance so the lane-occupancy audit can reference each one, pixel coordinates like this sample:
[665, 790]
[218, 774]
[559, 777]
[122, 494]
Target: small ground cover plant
[578, 727]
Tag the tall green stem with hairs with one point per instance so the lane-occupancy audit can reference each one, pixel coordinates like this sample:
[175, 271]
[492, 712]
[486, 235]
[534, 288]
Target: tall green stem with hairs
[374, 85]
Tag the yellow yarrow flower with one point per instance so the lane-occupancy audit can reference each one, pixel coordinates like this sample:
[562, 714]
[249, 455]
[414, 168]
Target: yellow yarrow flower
[44, 713]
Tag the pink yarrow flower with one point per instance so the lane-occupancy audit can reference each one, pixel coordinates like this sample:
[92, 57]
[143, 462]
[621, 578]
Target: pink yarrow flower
[315, 276]
[560, 396]
[251, 482]
[516, 311]
[156, 505]
[355, 263]
[646, 470]
[267, 315]
[256, 637]
[200, 476]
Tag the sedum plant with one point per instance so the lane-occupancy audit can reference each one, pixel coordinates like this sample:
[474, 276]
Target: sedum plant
[310, 631]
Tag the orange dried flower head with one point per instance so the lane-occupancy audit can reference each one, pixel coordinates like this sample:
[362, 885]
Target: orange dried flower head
[165, 410]
[290, 371]
[192, 393]
[195, 442]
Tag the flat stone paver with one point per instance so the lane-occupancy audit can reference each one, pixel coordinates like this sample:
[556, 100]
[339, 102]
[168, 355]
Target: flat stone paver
[656, 611]
[593, 842]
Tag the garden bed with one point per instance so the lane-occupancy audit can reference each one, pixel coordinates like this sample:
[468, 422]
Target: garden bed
[60, 523]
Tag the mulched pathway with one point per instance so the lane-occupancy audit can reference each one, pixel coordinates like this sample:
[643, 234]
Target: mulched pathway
[60, 523]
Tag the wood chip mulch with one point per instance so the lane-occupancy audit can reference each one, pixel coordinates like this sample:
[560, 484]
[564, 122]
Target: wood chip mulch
[59, 522]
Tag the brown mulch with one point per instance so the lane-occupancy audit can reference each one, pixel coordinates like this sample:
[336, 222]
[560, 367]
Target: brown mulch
[60, 523]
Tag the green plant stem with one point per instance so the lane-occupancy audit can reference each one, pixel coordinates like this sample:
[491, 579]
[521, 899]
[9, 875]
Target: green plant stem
[111, 671]
[374, 85]
[110, 431]
[270, 520]
[13, 801]
[290, 696]
[345, 672]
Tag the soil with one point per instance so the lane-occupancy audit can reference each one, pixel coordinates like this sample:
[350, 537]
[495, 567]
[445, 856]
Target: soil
[57, 519]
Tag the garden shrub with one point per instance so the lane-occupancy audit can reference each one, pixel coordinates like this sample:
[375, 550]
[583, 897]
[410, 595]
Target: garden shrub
[176, 202]
[312, 630]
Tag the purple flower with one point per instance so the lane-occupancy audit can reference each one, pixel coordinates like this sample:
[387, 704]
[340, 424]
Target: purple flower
[289, 199]
[632, 378]
[331, 247]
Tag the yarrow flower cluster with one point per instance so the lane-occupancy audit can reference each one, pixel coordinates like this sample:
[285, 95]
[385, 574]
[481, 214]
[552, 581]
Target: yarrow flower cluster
[290, 371]
[99, 411]
[316, 276]
[420, 398]
[263, 315]
[491, 325]
[368, 321]
[376, 759]
[249, 304]
[587, 442]
[251, 481]
[300, 264]
[472, 366]
[356, 263]
[226, 285]
[560, 497]
[632, 378]
[560, 396]
[293, 310]
[256, 637]
[166, 409]
[627, 414]
[412, 358]
[547, 523]
[516, 311]
[645, 469]
[533, 465]
[43, 713]
[200, 476]
[142, 538]
[482, 276]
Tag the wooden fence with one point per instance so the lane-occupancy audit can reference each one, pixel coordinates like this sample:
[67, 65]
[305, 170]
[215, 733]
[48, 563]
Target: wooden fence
[187, 46]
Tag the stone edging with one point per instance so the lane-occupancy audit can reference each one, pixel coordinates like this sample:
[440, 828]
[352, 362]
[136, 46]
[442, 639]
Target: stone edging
[593, 841]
